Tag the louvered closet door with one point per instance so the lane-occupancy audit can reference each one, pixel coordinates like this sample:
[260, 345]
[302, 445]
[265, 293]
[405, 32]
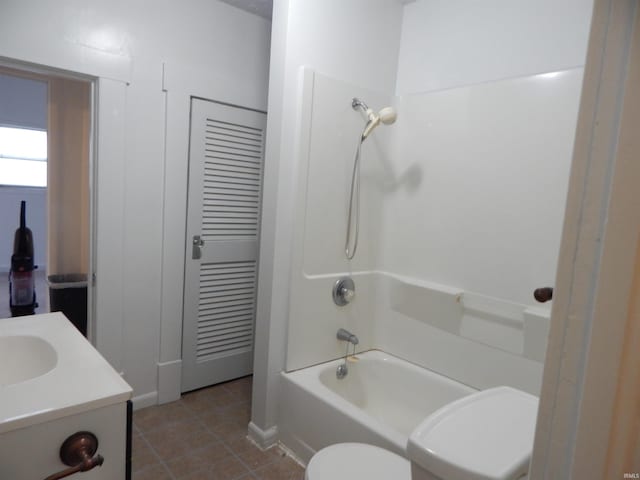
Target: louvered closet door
[225, 177]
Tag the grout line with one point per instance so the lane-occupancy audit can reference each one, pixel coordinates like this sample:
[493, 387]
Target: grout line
[240, 398]
[229, 449]
[157, 455]
[223, 443]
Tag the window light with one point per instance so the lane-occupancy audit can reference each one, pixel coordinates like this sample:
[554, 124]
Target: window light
[23, 157]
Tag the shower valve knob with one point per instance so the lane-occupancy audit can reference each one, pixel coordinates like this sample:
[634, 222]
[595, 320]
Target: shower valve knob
[347, 294]
[344, 291]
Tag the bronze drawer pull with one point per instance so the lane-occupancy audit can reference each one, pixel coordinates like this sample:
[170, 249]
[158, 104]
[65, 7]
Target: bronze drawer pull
[78, 452]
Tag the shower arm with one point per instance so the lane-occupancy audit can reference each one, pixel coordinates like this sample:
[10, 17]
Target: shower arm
[357, 103]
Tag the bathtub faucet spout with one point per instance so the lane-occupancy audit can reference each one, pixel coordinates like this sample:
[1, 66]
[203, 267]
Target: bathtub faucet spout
[347, 336]
[350, 338]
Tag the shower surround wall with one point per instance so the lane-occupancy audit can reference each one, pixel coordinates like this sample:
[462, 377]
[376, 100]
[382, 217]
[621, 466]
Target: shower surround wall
[357, 41]
[466, 189]
[319, 244]
[488, 94]
[481, 230]
[451, 229]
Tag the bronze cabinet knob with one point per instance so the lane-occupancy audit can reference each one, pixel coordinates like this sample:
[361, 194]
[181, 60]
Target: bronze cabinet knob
[543, 294]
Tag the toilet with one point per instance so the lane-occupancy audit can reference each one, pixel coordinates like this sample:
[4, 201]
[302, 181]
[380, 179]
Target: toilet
[484, 436]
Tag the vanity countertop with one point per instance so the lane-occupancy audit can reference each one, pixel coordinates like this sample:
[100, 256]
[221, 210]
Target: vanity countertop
[48, 370]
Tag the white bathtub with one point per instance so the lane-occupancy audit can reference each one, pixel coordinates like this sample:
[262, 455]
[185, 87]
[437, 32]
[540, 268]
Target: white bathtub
[381, 400]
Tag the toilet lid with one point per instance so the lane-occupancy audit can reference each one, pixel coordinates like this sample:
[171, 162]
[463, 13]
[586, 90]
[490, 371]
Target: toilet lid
[484, 436]
[357, 461]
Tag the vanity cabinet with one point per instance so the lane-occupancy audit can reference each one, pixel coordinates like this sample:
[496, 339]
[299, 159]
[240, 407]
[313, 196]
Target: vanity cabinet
[54, 384]
[33, 452]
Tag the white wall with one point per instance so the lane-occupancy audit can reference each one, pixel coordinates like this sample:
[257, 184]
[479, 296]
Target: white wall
[10, 198]
[491, 167]
[128, 45]
[357, 42]
[488, 102]
[448, 44]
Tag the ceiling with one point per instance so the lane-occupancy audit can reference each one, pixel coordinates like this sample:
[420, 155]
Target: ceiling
[259, 7]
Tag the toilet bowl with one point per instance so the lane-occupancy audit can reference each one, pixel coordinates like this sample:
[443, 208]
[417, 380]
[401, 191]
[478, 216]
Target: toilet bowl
[484, 436]
[356, 461]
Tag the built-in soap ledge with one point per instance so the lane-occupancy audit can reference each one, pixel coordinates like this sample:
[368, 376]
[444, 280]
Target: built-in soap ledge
[512, 327]
[432, 303]
[494, 322]
[537, 321]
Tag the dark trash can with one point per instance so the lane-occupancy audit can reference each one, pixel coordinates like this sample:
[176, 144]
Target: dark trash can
[68, 294]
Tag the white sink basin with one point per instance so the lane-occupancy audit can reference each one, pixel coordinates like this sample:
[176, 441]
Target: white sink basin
[28, 357]
[48, 370]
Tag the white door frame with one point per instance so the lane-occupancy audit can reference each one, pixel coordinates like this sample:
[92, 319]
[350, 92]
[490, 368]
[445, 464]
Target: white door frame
[44, 73]
[597, 259]
[179, 85]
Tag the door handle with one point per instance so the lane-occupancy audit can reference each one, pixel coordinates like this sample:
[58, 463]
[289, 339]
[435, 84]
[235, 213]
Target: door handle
[196, 252]
[543, 294]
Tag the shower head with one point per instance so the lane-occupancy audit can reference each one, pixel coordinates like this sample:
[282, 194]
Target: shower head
[387, 115]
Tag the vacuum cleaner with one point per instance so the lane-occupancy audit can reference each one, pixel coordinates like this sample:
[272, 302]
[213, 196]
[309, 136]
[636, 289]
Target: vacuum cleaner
[22, 288]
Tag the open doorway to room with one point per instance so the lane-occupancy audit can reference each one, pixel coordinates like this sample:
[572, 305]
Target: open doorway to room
[45, 151]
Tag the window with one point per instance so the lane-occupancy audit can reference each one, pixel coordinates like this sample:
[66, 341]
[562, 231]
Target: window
[23, 157]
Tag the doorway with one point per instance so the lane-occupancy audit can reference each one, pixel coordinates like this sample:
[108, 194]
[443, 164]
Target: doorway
[46, 122]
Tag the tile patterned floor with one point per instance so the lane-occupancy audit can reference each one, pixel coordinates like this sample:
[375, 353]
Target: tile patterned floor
[202, 436]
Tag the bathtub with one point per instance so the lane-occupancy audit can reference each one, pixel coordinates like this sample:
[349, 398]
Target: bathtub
[380, 401]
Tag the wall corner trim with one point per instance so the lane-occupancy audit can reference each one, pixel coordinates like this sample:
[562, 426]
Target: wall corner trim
[169, 381]
[263, 438]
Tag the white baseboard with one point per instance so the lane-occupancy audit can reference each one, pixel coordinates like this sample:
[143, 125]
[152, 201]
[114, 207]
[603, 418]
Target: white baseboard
[145, 400]
[263, 438]
[291, 454]
[169, 380]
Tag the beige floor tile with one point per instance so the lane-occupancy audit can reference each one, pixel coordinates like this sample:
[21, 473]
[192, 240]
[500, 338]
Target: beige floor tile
[179, 439]
[241, 386]
[214, 418]
[199, 460]
[285, 469]
[142, 456]
[228, 469]
[204, 436]
[229, 431]
[151, 418]
[240, 412]
[217, 396]
[152, 472]
[228, 400]
[255, 458]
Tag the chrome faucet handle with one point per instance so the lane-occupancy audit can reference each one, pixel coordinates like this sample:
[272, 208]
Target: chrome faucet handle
[344, 291]
[347, 294]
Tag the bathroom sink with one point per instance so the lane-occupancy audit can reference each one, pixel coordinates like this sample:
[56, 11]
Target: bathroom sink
[24, 357]
[49, 371]
[53, 382]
